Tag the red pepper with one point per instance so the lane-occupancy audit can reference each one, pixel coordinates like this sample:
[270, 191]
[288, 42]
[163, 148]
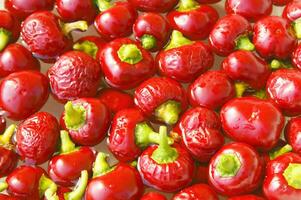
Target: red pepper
[281, 2]
[229, 33]
[115, 99]
[9, 29]
[194, 20]
[2, 124]
[23, 93]
[293, 134]
[166, 168]
[46, 36]
[9, 158]
[37, 137]
[7, 197]
[281, 148]
[153, 196]
[251, 10]
[91, 45]
[198, 191]
[115, 20]
[152, 30]
[282, 179]
[16, 58]
[154, 5]
[24, 8]
[119, 182]
[283, 87]
[184, 60]
[161, 98]
[254, 121]
[247, 197]
[74, 75]
[125, 63]
[273, 38]
[292, 11]
[208, 1]
[236, 169]
[296, 57]
[200, 130]
[212, 90]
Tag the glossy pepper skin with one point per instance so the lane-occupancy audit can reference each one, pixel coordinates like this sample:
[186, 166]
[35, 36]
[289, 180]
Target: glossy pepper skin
[252, 10]
[235, 169]
[282, 178]
[37, 137]
[9, 28]
[184, 60]
[7, 197]
[153, 196]
[293, 134]
[16, 57]
[91, 45]
[296, 57]
[125, 63]
[23, 93]
[200, 130]
[2, 123]
[211, 90]
[247, 197]
[154, 5]
[197, 191]
[270, 45]
[292, 11]
[199, 19]
[152, 31]
[161, 98]
[281, 2]
[115, 21]
[254, 121]
[72, 64]
[87, 120]
[288, 100]
[229, 33]
[208, 1]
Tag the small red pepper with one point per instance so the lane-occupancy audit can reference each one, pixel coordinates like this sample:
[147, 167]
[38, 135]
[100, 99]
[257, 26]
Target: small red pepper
[229, 33]
[236, 169]
[208, 1]
[119, 182]
[247, 197]
[281, 2]
[2, 124]
[125, 63]
[154, 5]
[184, 60]
[37, 137]
[194, 20]
[165, 168]
[212, 90]
[293, 134]
[282, 179]
[161, 98]
[23, 93]
[152, 30]
[7, 197]
[296, 57]
[292, 12]
[153, 196]
[91, 45]
[197, 191]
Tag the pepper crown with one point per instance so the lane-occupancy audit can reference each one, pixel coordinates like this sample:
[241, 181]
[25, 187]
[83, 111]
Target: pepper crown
[187, 5]
[5, 37]
[168, 112]
[228, 165]
[101, 166]
[103, 5]
[292, 175]
[87, 47]
[67, 28]
[75, 116]
[130, 53]
[148, 41]
[67, 145]
[177, 40]
[244, 43]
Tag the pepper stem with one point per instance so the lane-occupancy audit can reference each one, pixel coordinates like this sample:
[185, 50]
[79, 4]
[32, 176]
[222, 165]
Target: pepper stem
[285, 149]
[187, 5]
[164, 153]
[67, 145]
[3, 186]
[228, 165]
[67, 28]
[79, 189]
[130, 53]
[5, 37]
[292, 175]
[240, 88]
[148, 41]
[177, 40]
[101, 166]
[277, 64]
[260, 94]
[103, 5]
[297, 28]
[87, 47]
[168, 112]
[48, 188]
[75, 116]
[144, 135]
[244, 43]
[8, 133]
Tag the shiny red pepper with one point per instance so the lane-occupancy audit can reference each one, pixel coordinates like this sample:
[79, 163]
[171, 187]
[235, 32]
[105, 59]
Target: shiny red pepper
[166, 168]
[152, 30]
[281, 2]
[282, 179]
[292, 12]
[153, 196]
[293, 134]
[198, 191]
[253, 121]
[23, 93]
[119, 182]
[208, 1]
[154, 5]
[161, 98]
[91, 45]
[194, 20]
[125, 63]
[7, 197]
[296, 57]
[247, 197]
[236, 169]
[2, 124]
[184, 60]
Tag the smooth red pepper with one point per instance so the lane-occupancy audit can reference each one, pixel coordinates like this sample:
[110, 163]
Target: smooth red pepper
[153, 196]
[7, 197]
[281, 2]
[194, 20]
[198, 191]
[166, 168]
[119, 182]
[293, 134]
[154, 5]
[236, 169]
[254, 121]
[161, 98]
[184, 60]
[200, 130]
[247, 197]
[125, 63]
[292, 12]
[152, 31]
[282, 179]
[91, 45]
[23, 93]
[37, 137]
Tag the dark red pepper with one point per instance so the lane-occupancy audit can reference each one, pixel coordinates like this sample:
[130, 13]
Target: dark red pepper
[23, 93]
[91, 45]
[125, 63]
[7, 197]
[2, 124]
[154, 5]
[9, 29]
[201, 174]
[293, 134]
[281, 2]
[247, 197]
[184, 60]
[194, 20]
[198, 191]
[153, 196]
[236, 169]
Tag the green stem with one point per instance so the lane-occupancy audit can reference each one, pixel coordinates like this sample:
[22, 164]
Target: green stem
[240, 88]
[148, 41]
[228, 165]
[80, 188]
[261, 94]
[7, 135]
[101, 166]
[75, 116]
[297, 28]
[168, 112]
[130, 53]
[5, 38]
[187, 5]
[244, 43]
[48, 188]
[103, 5]
[3, 186]
[67, 28]
[285, 149]
[87, 47]
[177, 40]
[164, 153]
[67, 145]
[277, 64]
[292, 175]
